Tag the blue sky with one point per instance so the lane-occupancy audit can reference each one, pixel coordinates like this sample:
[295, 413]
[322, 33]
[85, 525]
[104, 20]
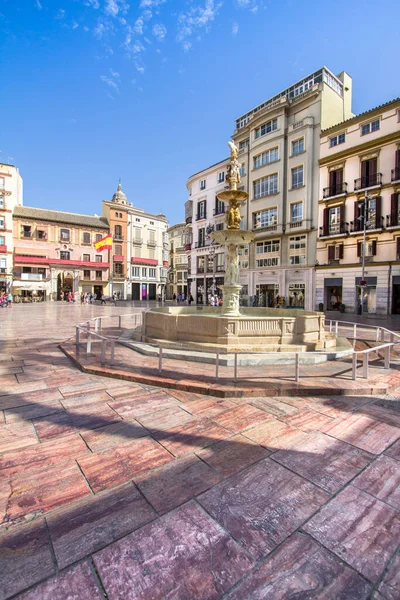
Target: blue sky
[148, 90]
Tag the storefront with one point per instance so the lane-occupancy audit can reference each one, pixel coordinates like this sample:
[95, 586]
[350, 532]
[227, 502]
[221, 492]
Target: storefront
[366, 294]
[25, 292]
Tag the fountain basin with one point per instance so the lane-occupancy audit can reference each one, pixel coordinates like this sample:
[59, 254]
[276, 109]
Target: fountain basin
[253, 329]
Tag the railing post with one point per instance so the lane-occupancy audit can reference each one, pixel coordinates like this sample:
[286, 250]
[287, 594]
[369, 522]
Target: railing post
[119, 322]
[89, 344]
[88, 325]
[365, 365]
[354, 331]
[96, 325]
[103, 352]
[337, 328]
[77, 336]
[392, 337]
[235, 367]
[160, 359]
[216, 366]
[100, 323]
[330, 326]
[387, 357]
[383, 335]
[378, 333]
[354, 367]
[297, 368]
[112, 352]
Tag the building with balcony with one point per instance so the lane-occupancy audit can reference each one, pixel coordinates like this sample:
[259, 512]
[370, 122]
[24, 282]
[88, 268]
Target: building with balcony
[360, 185]
[279, 150]
[10, 197]
[140, 249]
[204, 213]
[178, 261]
[54, 254]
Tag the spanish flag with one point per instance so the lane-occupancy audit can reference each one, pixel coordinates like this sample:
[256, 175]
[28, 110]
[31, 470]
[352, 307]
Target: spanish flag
[104, 244]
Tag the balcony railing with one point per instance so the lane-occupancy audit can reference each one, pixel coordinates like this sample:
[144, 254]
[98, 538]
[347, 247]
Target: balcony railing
[64, 240]
[151, 243]
[27, 234]
[220, 268]
[202, 243]
[3, 270]
[396, 174]
[363, 183]
[137, 240]
[335, 190]
[118, 238]
[295, 224]
[219, 211]
[334, 230]
[201, 217]
[392, 220]
[118, 275]
[188, 247]
[200, 269]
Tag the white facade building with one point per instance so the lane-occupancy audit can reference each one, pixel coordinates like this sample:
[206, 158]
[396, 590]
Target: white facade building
[11, 195]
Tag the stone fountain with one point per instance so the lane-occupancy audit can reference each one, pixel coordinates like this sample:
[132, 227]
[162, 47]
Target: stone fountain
[229, 328]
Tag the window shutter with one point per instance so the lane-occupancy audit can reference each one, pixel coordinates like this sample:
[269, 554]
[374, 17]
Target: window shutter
[341, 250]
[356, 215]
[378, 200]
[364, 169]
[359, 246]
[397, 159]
[332, 180]
[374, 248]
[373, 164]
[339, 177]
[326, 222]
[394, 210]
[331, 252]
[397, 247]
[342, 219]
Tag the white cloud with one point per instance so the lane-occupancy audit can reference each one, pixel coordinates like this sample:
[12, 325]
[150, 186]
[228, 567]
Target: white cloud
[147, 15]
[151, 3]
[140, 68]
[252, 5]
[99, 30]
[93, 3]
[60, 14]
[74, 25]
[38, 5]
[86, 28]
[138, 26]
[196, 18]
[235, 28]
[110, 82]
[114, 74]
[114, 7]
[159, 31]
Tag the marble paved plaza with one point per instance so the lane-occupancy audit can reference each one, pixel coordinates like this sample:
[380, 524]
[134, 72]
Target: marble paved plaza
[121, 490]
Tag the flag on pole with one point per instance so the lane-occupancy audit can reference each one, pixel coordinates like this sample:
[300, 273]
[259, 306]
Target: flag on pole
[104, 244]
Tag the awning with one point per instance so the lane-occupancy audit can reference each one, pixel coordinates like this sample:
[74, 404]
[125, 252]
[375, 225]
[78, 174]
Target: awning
[24, 285]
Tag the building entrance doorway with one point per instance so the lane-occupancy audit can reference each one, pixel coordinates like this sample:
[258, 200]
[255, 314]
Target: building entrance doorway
[135, 291]
[333, 297]
[396, 299]
[64, 284]
[367, 295]
[98, 290]
[266, 294]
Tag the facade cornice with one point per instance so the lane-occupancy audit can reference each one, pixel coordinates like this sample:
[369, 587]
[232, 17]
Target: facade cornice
[383, 263]
[369, 114]
[360, 148]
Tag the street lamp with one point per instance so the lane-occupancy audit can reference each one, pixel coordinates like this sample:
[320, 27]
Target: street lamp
[366, 223]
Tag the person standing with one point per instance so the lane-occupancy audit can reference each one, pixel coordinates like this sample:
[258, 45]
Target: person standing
[9, 300]
[114, 297]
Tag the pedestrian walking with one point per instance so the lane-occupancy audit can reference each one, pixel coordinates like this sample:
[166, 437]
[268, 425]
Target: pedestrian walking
[173, 298]
[9, 300]
[114, 297]
[69, 298]
[103, 300]
[62, 296]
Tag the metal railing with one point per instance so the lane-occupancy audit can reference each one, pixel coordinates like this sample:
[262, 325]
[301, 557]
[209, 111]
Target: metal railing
[372, 180]
[335, 190]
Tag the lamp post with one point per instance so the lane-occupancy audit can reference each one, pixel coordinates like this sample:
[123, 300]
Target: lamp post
[364, 204]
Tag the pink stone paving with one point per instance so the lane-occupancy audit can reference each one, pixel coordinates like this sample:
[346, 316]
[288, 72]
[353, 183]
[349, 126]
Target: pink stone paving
[177, 486]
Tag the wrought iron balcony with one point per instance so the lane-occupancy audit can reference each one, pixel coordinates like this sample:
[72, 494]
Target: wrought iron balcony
[396, 174]
[363, 183]
[202, 243]
[342, 229]
[335, 190]
[118, 238]
[219, 211]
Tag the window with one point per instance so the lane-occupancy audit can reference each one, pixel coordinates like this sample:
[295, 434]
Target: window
[220, 259]
[242, 170]
[297, 293]
[64, 235]
[152, 253]
[298, 146]
[221, 177]
[267, 253]
[136, 272]
[200, 264]
[190, 191]
[144, 272]
[219, 227]
[297, 250]
[152, 273]
[151, 222]
[98, 258]
[137, 220]
[371, 213]
[2, 240]
[266, 186]
[202, 237]
[2, 202]
[297, 177]
[219, 207]
[41, 234]
[118, 232]
[265, 218]
[2, 183]
[369, 127]
[334, 220]
[99, 236]
[118, 269]
[116, 214]
[268, 247]
[243, 145]
[337, 139]
[137, 251]
[86, 238]
[118, 249]
[86, 274]
[99, 275]
[296, 212]
[266, 158]
[203, 184]
[1, 222]
[27, 231]
[243, 252]
[210, 263]
[64, 255]
[266, 128]
[201, 210]
[86, 257]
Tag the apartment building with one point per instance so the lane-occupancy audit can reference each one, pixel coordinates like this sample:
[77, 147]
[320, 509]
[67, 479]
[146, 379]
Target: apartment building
[204, 213]
[140, 249]
[279, 150]
[360, 187]
[11, 195]
[54, 254]
[178, 261]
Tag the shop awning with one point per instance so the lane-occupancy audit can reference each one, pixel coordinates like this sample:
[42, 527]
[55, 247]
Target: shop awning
[24, 285]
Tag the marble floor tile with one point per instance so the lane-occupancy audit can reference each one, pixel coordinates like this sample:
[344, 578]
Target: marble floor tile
[25, 558]
[33, 411]
[117, 465]
[274, 435]
[41, 456]
[360, 529]
[79, 417]
[94, 522]
[394, 451]
[363, 432]
[273, 406]
[232, 455]
[75, 388]
[241, 418]
[176, 482]
[192, 436]
[85, 399]
[325, 461]
[262, 505]
[381, 413]
[337, 406]
[159, 421]
[307, 420]
[300, 568]
[22, 398]
[143, 403]
[390, 586]
[16, 436]
[183, 555]
[113, 435]
[77, 583]
[34, 495]
[382, 480]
